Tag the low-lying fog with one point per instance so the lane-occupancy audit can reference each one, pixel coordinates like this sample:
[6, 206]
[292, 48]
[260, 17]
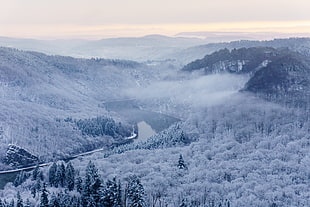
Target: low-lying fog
[194, 91]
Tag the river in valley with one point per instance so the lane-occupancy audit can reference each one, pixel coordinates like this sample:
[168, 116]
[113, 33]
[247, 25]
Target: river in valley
[144, 131]
[148, 124]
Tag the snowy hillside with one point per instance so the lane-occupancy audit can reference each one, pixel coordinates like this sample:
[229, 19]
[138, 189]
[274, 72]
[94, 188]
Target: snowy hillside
[243, 138]
[39, 92]
[279, 75]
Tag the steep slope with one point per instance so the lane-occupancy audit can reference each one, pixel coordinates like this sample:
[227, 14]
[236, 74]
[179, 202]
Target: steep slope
[248, 151]
[286, 79]
[238, 61]
[278, 75]
[39, 92]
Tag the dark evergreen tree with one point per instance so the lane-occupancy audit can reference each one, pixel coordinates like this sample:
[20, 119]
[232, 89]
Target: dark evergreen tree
[119, 194]
[90, 202]
[64, 199]
[52, 175]
[109, 128]
[135, 192]
[36, 188]
[40, 176]
[96, 190]
[183, 204]
[44, 197]
[35, 173]
[112, 194]
[33, 191]
[1, 203]
[227, 203]
[54, 202]
[273, 205]
[92, 184]
[20, 178]
[181, 163]
[74, 202]
[19, 202]
[70, 176]
[60, 174]
[79, 184]
[87, 186]
[38, 185]
[79, 202]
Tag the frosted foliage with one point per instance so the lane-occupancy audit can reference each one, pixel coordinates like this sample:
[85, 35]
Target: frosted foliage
[259, 166]
[237, 150]
[38, 92]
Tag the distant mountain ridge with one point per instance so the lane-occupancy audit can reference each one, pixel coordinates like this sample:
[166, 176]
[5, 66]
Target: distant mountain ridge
[151, 47]
[301, 45]
[242, 60]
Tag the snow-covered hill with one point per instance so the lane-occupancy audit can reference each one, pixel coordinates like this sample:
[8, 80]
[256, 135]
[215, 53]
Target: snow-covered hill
[234, 147]
[38, 92]
[276, 74]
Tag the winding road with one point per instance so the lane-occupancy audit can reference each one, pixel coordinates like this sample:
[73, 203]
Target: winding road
[15, 171]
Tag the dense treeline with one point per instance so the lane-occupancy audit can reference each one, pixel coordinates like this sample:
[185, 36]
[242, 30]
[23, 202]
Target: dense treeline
[33, 81]
[171, 137]
[243, 60]
[63, 186]
[101, 126]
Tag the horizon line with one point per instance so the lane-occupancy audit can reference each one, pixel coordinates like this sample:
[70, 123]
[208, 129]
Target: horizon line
[93, 32]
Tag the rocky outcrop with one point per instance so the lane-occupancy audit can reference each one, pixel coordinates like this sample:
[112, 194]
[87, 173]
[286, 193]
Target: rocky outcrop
[286, 80]
[238, 61]
[19, 157]
[279, 75]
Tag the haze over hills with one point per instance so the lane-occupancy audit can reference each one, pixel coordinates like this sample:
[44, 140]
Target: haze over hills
[182, 48]
[216, 37]
[239, 134]
[301, 45]
[155, 103]
[275, 74]
[38, 92]
[152, 47]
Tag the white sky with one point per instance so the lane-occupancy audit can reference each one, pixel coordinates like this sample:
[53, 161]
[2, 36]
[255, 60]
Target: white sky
[99, 18]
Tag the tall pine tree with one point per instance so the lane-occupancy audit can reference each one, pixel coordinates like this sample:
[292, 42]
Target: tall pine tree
[135, 192]
[52, 175]
[19, 202]
[79, 184]
[54, 202]
[70, 176]
[92, 185]
[181, 163]
[44, 197]
[35, 173]
[112, 194]
[60, 174]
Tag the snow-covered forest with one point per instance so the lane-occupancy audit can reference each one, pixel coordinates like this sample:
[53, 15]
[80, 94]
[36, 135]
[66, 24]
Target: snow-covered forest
[239, 135]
